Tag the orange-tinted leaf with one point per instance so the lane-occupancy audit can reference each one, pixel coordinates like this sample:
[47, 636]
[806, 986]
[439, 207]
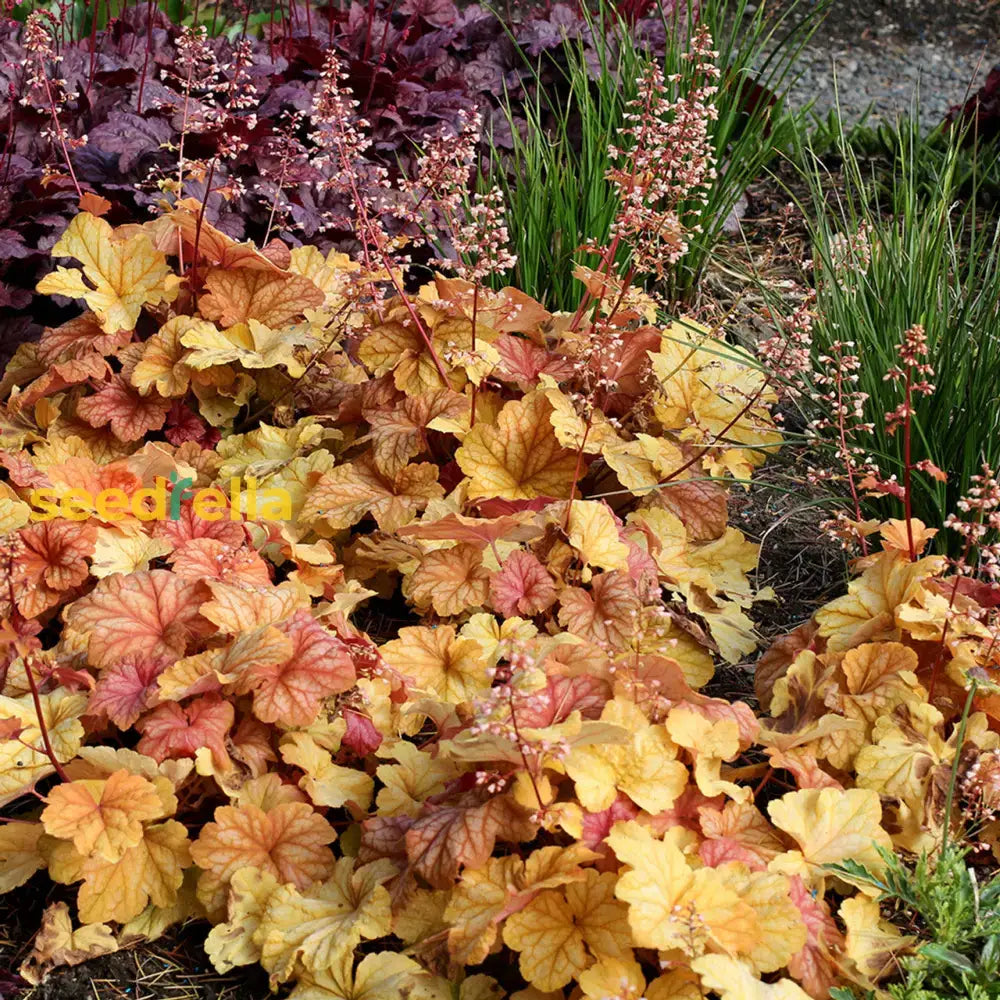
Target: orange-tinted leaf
[152, 871]
[290, 692]
[51, 559]
[605, 614]
[344, 495]
[102, 817]
[210, 559]
[119, 405]
[288, 841]
[451, 580]
[78, 337]
[170, 731]
[271, 297]
[150, 614]
[481, 531]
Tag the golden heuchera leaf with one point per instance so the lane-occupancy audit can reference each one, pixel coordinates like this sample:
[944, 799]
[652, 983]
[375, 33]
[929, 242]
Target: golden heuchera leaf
[560, 932]
[645, 463]
[163, 365]
[644, 767]
[20, 857]
[866, 612]
[671, 905]
[873, 944]
[572, 431]
[780, 932]
[250, 344]
[57, 944]
[880, 675]
[733, 980]
[594, 534]
[21, 766]
[103, 817]
[313, 930]
[233, 942]
[485, 895]
[326, 783]
[384, 975]
[451, 580]
[418, 775]
[347, 493]
[272, 297]
[517, 457]
[452, 669]
[289, 841]
[831, 825]
[152, 871]
[710, 742]
[610, 977]
[124, 273]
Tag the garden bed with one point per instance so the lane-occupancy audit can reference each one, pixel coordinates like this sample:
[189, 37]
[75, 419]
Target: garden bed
[491, 506]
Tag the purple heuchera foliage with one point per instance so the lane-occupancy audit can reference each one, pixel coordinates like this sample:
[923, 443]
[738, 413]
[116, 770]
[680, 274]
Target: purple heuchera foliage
[413, 65]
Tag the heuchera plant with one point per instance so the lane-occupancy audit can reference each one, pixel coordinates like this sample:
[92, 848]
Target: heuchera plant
[240, 460]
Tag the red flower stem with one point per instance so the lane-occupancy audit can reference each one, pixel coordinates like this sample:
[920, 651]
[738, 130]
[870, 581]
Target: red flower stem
[42, 727]
[908, 466]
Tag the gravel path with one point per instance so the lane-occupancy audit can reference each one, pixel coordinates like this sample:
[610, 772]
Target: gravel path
[878, 51]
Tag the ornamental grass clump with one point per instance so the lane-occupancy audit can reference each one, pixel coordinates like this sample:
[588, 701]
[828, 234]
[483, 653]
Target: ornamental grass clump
[888, 263]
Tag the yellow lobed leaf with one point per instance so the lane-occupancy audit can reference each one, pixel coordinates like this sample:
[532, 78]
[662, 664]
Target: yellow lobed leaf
[57, 944]
[831, 825]
[710, 743]
[732, 980]
[155, 921]
[873, 944]
[102, 817]
[163, 365]
[644, 767]
[14, 513]
[780, 932]
[326, 783]
[572, 431]
[250, 344]
[517, 457]
[21, 766]
[381, 976]
[418, 775]
[558, 933]
[866, 612]
[314, 930]
[452, 669]
[672, 906]
[594, 534]
[613, 977]
[20, 857]
[483, 895]
[153, 870]
[118, 551]
[451, 580]
[124, 274]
